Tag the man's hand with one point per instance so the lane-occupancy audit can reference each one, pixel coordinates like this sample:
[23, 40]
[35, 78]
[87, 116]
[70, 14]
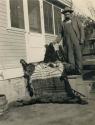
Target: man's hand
[82, 45]
[81, 42]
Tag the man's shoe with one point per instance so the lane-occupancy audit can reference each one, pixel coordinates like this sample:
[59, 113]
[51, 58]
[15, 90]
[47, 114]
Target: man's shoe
[71, 100]
[82, 102]
[78, 72]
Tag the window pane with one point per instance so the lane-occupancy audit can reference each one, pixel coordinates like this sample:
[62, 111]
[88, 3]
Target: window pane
[57, 18]
[17, 15]
[34, 16]
[48, 17]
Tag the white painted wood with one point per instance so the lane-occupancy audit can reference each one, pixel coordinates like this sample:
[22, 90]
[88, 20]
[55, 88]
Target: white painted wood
[49, 38]
[26, 19]
[42, 18]
[66, 2]
[17, 43]
[36, 41]
[53, 18]
[8, 14]
[12, 73]
[12, 40]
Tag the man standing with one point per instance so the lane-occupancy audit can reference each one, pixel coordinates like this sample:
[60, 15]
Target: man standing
[73, 36]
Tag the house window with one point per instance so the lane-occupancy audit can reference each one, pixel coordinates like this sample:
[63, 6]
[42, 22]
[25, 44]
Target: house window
[17, 14]
[57, 19]
[48, 17]
[34, 16]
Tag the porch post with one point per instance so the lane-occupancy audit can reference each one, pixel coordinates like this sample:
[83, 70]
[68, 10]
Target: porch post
[26, 21]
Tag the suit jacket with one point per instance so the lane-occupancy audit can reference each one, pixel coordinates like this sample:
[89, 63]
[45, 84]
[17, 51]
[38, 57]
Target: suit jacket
[77, 27]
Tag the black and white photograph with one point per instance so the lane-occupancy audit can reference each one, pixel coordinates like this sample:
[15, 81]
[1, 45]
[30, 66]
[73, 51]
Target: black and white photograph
[47, 62]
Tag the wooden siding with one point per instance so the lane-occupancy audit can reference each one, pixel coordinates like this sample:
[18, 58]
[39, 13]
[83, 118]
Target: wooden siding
[61, 3]
[49, 38]
[66, 2]
[12, 42]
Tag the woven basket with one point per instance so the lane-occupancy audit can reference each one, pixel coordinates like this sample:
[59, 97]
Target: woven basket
[49, 90]
[3, 104]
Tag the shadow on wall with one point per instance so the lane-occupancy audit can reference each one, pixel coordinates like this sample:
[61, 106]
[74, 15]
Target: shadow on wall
[93, 86]
[90, 75]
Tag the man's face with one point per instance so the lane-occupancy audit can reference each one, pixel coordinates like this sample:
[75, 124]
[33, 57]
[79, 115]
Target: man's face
[67, 15]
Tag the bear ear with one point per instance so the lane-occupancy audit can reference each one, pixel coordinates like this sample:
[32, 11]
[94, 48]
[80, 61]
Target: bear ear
[22, 61]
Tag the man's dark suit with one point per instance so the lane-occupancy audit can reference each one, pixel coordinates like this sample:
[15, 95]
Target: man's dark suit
[73, 35]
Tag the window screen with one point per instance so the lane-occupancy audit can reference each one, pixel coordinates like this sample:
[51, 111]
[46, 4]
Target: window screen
[48, 17]
[57, 19]
[34, 16]
[17, 14]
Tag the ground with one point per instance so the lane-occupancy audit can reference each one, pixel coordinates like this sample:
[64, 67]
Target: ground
[51, 114]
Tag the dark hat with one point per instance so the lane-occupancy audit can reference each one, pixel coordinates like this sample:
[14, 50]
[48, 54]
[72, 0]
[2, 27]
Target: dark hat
[67, 9]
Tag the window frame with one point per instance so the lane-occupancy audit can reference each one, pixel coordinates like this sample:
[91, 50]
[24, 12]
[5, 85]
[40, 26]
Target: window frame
[9, 27]
[31, 31]
[54, 34]
[26, 18]
[52, 17]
